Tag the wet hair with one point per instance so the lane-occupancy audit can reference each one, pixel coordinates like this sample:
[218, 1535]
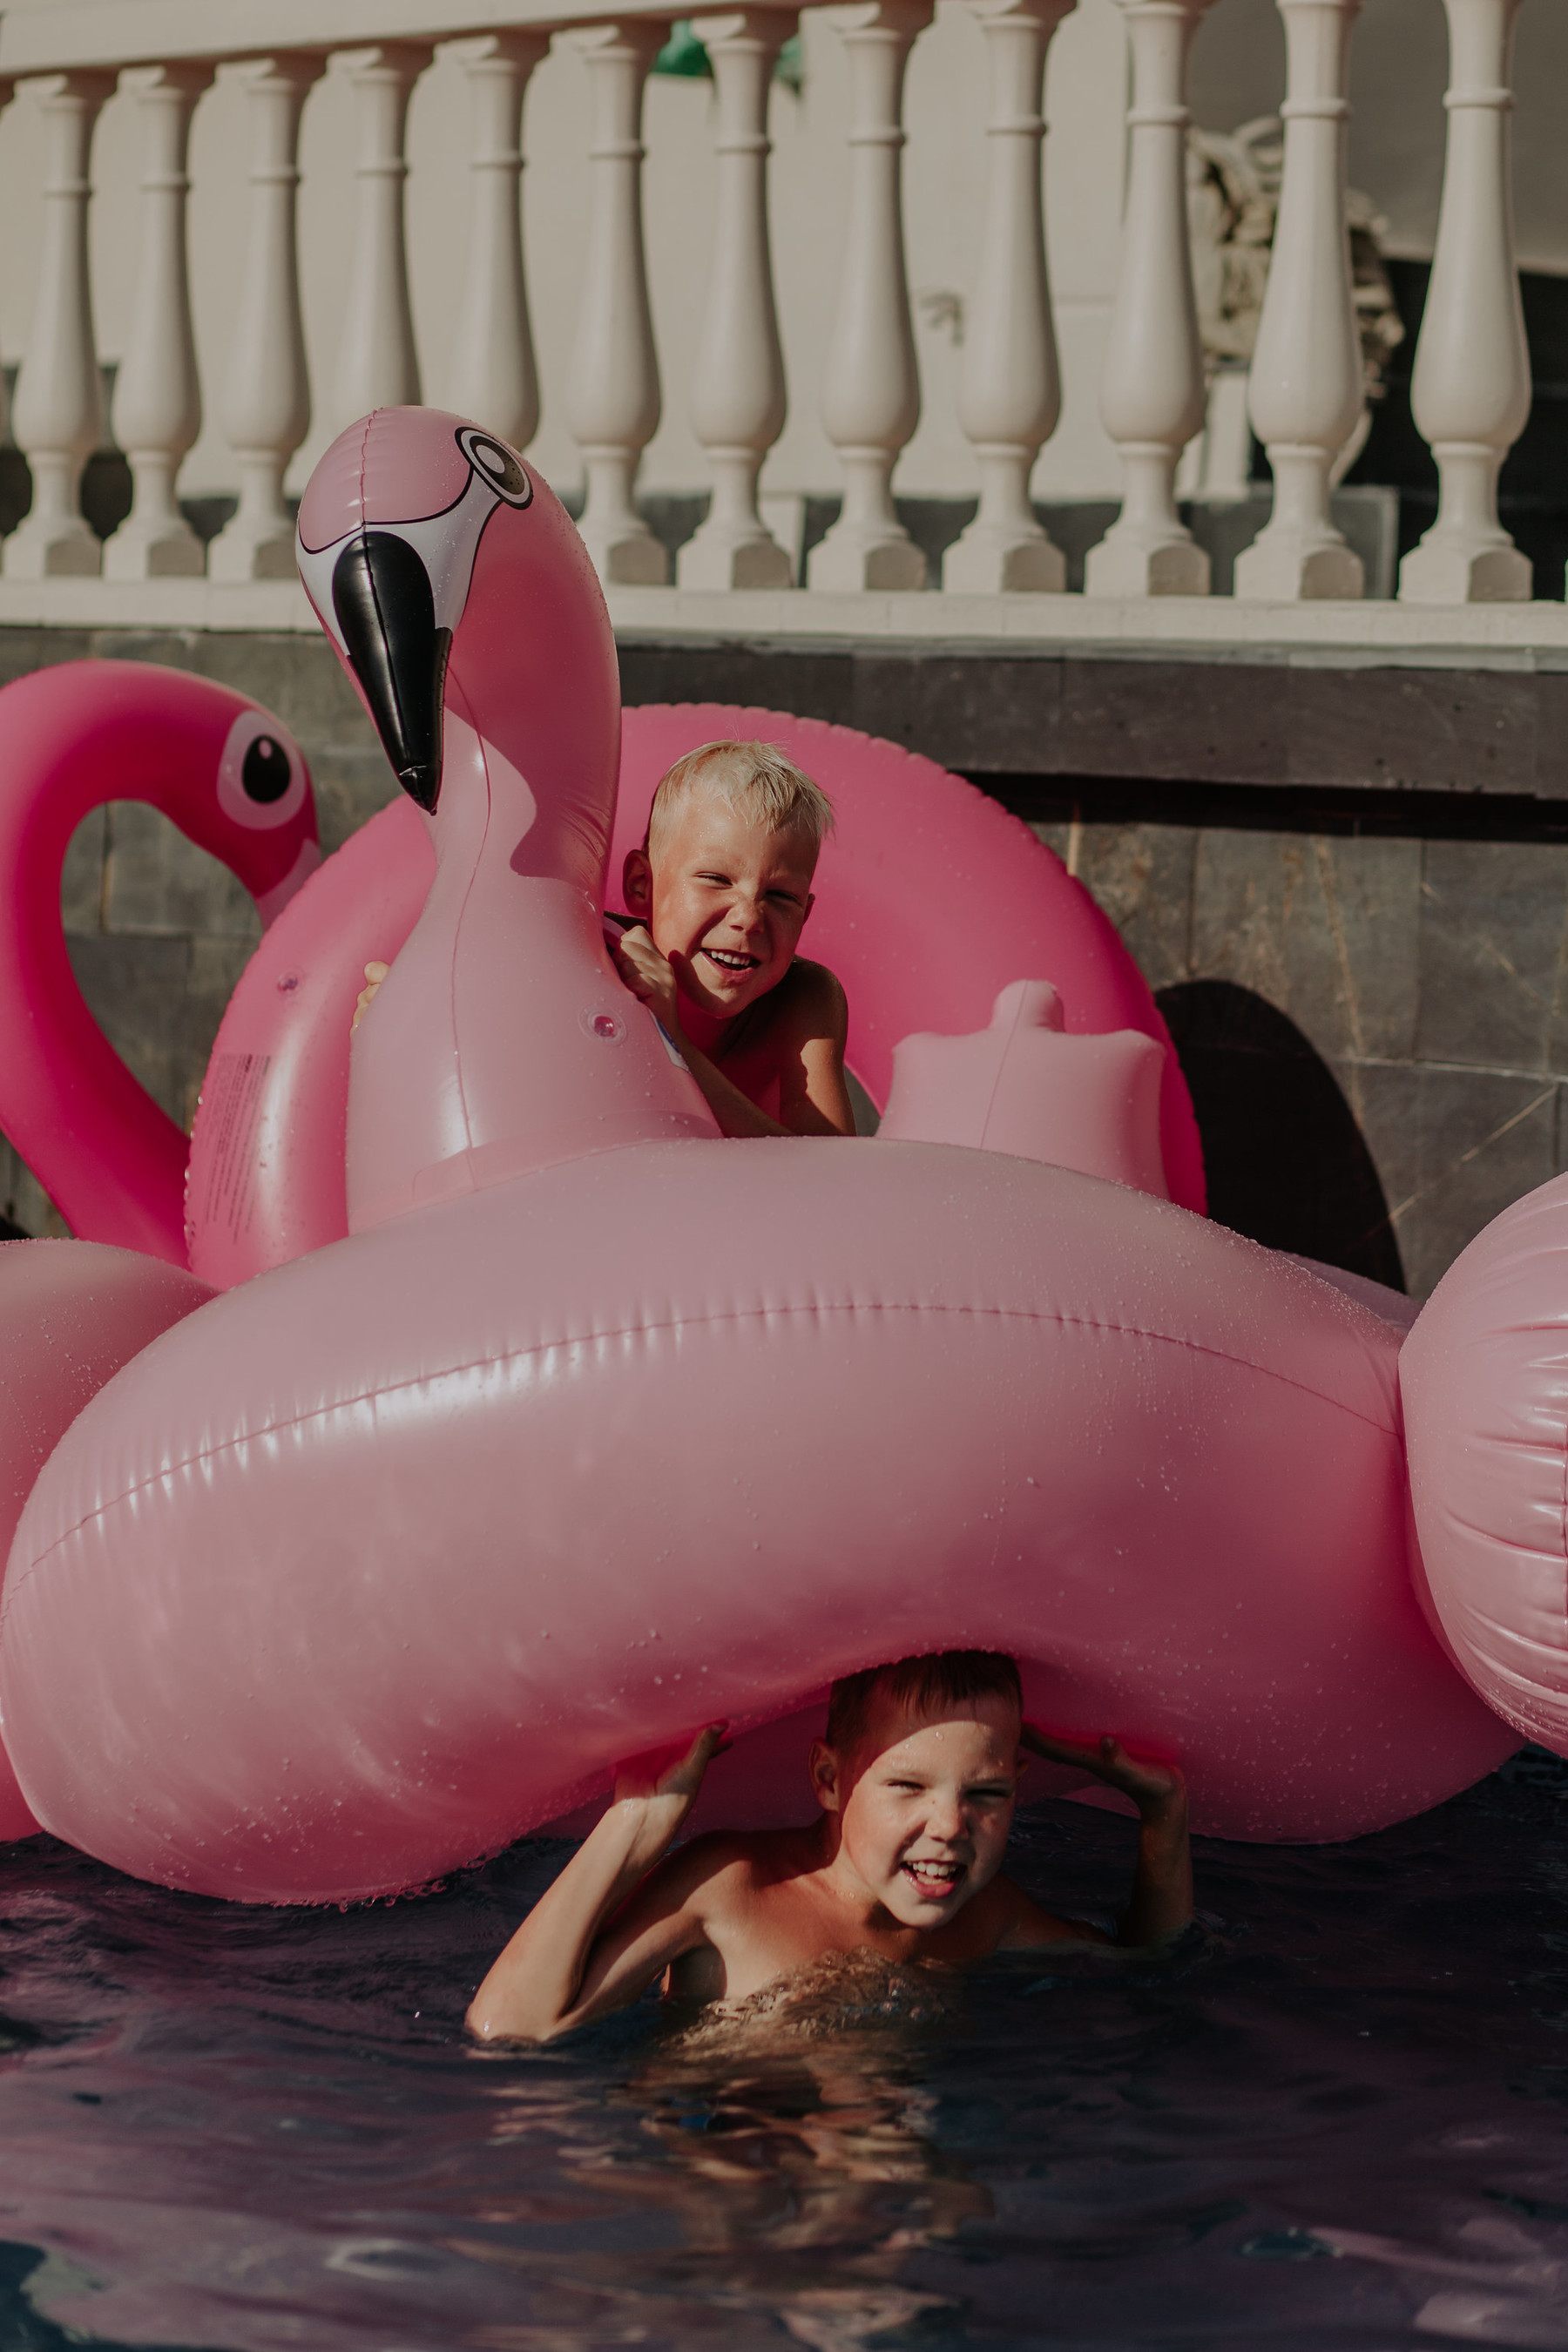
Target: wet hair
[920, 1685]
[756, 780]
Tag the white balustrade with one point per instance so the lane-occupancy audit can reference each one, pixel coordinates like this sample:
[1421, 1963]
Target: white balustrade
[871, 392]
[1305, 388]
[1471, 390]
[58, 413]
[1152, 388]
[1307, 385]
[737, 394]
[492, 376]
[157, 411]
[267, 401]
[1009, 396]
[377, 364]
[613, 393]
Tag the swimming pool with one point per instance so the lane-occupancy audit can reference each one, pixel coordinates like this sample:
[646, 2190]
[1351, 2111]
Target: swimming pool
[1334, 2123]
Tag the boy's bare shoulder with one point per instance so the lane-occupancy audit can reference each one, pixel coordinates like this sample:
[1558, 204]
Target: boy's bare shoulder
[810, 999]
[722, 1864]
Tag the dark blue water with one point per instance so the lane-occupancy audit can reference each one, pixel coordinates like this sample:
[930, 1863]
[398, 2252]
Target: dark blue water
[1335, 2120]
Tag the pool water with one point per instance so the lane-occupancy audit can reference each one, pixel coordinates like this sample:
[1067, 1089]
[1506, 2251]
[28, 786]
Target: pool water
[1334, 2119]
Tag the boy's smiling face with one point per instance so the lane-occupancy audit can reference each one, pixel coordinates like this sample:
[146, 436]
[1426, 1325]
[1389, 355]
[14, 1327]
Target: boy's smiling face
[727, 896]
[924, 1805]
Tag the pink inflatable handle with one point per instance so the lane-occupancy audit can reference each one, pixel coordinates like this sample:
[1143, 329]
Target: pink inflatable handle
[75, 736]
[1023, 1087]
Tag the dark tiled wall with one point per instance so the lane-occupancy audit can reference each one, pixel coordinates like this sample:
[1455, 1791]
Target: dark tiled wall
[1431, 976]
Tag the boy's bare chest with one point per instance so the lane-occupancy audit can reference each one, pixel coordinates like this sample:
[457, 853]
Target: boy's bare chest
[750, 1055]
[782, 1928]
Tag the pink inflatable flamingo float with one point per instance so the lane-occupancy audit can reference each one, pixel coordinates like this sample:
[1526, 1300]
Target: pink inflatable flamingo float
[597, 1425]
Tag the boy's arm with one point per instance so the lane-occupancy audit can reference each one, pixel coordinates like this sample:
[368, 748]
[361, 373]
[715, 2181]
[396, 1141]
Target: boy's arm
[1162, 1899]
[736, 1113]
[562, 1969]
[813, 1097]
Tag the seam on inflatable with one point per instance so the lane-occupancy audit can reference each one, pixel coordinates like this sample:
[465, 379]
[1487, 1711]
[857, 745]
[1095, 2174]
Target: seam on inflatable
[1563, 1527]
[996, 1075]
[206, 1454]
[468, 894]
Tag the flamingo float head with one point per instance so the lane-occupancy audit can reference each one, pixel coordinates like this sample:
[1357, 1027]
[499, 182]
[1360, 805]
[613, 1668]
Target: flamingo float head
[448, 576]
[468, 616]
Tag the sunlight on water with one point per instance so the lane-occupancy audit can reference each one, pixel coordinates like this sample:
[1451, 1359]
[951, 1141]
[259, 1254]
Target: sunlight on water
[1333, 2119]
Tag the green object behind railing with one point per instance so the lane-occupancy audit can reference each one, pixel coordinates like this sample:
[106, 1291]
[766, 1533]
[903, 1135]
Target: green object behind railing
[685, 54]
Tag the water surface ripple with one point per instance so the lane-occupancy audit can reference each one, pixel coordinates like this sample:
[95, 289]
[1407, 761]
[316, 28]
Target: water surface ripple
[1334, 2122]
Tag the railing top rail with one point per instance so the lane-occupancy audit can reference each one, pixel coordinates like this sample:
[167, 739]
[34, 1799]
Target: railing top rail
[40, 36]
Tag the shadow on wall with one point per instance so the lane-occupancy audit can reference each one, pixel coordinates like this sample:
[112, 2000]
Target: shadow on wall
[1287, 1163]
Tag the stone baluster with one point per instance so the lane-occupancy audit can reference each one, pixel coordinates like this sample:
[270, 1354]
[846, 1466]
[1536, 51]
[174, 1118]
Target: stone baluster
[267, 399]
[738, 397]
[157, 392]
[870, 392]
[377, 365]
[613, 392]
[1307, 385]
[1152, 388]
[7, 92]
[1009, 395]
[1471, 392]
[492, 376]
[58, 414]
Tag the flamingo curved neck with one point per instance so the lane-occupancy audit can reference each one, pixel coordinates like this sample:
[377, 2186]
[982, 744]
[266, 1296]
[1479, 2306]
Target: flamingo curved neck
[105, 1152]
[504, 1039]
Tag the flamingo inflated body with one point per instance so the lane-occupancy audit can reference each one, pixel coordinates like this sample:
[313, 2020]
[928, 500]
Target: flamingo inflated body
[599, 1426]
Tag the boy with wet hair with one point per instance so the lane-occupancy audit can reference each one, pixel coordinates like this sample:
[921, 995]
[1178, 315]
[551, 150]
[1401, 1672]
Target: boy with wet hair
[915, 1779]
[719, 894]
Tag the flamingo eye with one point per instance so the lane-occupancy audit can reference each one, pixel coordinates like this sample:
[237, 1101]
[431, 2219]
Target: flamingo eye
[496, 466]
[264, 773]
[262, 779]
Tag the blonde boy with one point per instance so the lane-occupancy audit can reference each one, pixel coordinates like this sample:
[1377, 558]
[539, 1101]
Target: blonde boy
[718, 896]
[719, 892]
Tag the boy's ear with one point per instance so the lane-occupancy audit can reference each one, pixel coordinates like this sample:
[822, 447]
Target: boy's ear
[810, 903]
[636, 882]
[822, 1766]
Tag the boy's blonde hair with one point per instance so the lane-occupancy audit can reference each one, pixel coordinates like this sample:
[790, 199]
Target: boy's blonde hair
[757, 779]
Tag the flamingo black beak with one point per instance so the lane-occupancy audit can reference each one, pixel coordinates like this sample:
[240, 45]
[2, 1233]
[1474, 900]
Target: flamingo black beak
[391, 593]
[385, 606]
